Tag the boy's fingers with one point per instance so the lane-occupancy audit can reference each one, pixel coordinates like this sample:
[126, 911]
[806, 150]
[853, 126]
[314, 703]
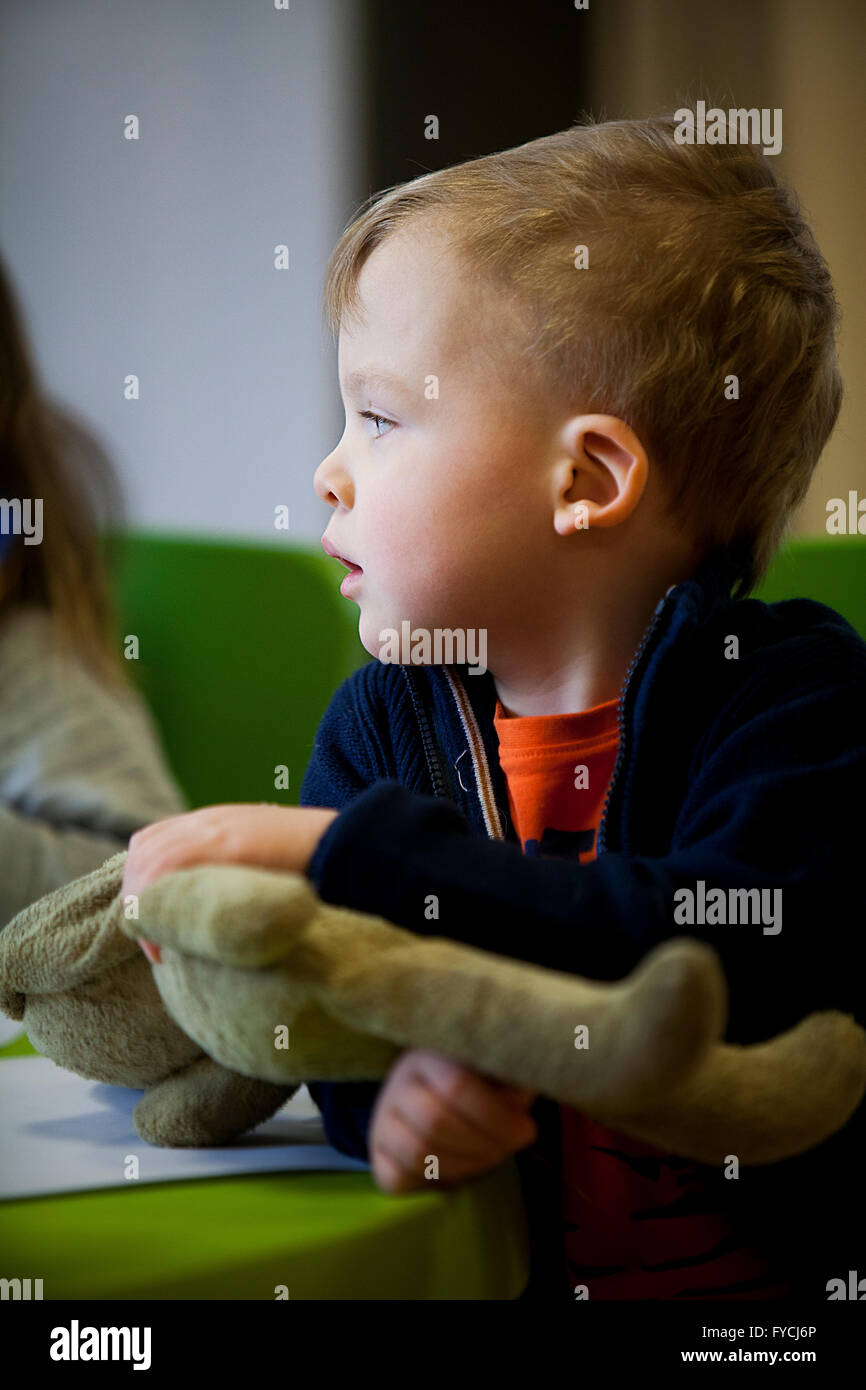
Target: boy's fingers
[426, 1119]
[398, 1152]
[402, 1143]
[390, 1174]
[517, 1095]
[472, 1097]
[401, 1156]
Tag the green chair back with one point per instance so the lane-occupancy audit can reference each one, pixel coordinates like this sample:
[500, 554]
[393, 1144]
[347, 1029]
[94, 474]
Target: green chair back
[831, 569]
[241, 647]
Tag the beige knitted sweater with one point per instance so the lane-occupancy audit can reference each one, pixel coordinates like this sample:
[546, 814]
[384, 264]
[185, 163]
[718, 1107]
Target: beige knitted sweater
[81, 766]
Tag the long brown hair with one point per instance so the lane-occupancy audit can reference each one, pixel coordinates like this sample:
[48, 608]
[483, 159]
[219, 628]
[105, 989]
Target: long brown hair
[47, 453]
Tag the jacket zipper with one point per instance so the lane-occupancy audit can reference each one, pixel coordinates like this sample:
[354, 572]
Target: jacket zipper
[429, 746]
[491, 813]
[620, 720]
[426, 739]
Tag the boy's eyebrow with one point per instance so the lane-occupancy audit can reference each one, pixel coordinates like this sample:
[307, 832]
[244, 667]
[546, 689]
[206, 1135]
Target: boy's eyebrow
[357, 380]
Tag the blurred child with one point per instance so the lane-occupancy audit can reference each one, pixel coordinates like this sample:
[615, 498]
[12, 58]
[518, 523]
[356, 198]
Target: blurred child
[81, 766]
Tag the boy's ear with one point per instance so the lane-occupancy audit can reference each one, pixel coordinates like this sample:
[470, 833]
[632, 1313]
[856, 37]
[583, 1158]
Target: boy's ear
[601, 475]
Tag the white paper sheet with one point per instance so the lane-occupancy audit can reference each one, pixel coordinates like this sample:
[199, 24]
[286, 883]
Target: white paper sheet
[60, 1133]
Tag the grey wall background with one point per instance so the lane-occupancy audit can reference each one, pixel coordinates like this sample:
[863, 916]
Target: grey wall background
[156, 256]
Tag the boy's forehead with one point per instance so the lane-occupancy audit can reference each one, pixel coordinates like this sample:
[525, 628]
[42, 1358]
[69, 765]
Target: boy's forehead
[409, 284]
[417, 308]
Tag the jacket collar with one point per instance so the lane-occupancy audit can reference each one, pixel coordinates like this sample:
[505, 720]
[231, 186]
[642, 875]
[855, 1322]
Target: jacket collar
[463, 705]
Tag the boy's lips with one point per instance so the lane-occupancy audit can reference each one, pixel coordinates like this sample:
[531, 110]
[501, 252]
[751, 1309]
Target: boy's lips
[335, 554]
[350, 580]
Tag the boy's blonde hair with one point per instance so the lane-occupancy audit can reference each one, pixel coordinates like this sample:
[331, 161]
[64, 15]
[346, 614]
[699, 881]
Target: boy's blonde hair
[700, 269]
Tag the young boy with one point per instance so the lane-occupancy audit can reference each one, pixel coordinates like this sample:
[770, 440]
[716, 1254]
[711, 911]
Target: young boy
[587, 382]
[577, 453]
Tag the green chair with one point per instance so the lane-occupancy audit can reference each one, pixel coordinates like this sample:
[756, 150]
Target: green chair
[831, 569]
[241, 647]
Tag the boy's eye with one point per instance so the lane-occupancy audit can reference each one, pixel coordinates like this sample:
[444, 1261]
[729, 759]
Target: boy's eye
[371, 415]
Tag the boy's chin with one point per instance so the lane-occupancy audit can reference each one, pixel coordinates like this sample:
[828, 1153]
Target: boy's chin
[376, 632]
[368, 631]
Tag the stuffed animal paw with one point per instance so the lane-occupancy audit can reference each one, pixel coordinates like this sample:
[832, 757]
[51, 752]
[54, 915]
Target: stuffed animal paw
[88, 1001]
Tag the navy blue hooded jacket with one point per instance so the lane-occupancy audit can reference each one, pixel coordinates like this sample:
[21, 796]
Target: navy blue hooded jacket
[743, 772]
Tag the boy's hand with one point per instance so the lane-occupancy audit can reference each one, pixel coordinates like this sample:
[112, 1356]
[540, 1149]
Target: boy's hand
[431, 1105]
[257, 833]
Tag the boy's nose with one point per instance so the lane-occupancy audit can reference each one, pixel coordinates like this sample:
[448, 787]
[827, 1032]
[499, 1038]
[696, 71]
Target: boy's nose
[333, 484]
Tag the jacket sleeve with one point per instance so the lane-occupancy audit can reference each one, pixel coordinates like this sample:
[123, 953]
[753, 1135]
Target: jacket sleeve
[772, 806]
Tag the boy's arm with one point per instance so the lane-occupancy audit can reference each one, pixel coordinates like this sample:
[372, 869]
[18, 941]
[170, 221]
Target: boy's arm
[771, 807]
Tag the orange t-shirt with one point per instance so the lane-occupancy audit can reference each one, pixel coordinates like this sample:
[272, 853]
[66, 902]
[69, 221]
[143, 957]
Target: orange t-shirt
[637, 1223]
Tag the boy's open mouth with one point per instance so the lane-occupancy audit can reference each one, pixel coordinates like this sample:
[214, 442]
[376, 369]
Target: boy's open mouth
[335, 554]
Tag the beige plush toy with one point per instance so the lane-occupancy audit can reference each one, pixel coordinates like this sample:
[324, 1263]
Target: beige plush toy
[262, 986]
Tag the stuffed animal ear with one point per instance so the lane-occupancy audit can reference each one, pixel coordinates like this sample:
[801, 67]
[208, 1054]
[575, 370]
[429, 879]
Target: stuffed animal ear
[82, 943]
[763, 1103]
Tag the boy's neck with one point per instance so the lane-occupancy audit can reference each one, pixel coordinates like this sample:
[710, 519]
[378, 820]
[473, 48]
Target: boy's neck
[569, 687]
[568, 671]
